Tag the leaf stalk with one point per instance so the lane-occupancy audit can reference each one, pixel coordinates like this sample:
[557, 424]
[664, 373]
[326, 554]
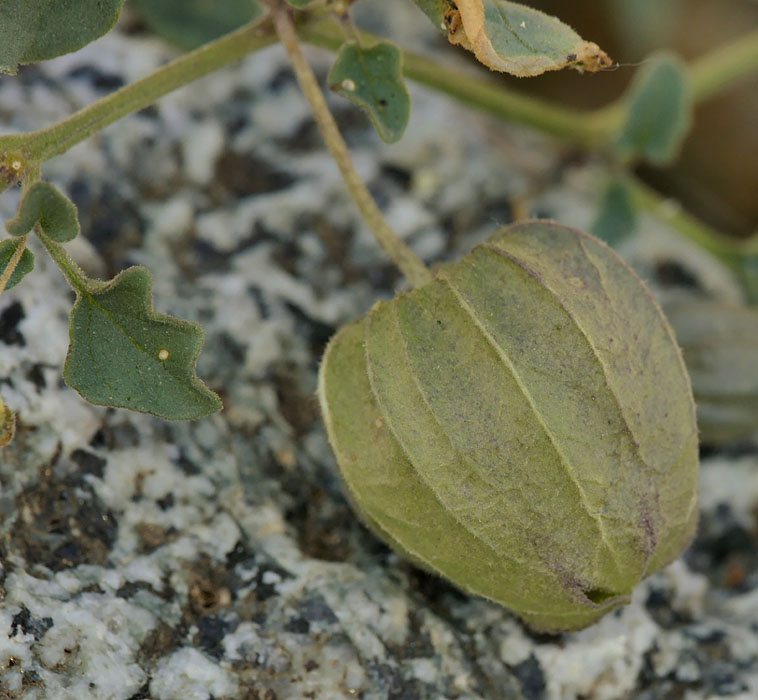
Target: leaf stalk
[409, 263]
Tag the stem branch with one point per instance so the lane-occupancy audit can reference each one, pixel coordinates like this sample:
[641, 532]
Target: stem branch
[51, 141]
[409, 263]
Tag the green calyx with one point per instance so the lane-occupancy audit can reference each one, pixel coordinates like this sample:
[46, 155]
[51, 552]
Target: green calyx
[522, 425]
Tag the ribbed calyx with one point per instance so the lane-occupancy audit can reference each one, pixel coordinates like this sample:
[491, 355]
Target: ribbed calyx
[523, 426]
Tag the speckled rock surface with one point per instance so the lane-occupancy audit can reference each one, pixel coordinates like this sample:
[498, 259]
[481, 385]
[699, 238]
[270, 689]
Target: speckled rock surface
[219, 559]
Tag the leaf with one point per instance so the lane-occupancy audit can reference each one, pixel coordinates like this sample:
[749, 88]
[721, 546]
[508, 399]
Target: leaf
[44, 203]
[512, 38]
[35, 30]
[301, 4]
[659, 111]
[373, 79]
[123, 353]
[192, 23]
[617, 216]
[503, 425]
[25, 265]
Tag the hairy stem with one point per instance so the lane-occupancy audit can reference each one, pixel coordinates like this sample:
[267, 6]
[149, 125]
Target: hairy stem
[409, 263]
[71, 271]
[724, 66]
[56, 139]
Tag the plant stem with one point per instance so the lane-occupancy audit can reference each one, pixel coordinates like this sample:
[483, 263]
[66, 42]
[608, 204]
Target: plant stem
[12, 264]
[71, 271]
[51, 141]
[737, 255]
[724, 66]
[409, 263]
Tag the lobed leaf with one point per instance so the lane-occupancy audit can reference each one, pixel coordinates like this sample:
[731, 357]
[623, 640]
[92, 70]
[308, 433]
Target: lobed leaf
[373, 79]
[25, 266]
[659, 111]
[36, 30]
[123, 353]
[44, 204]
[192, 23]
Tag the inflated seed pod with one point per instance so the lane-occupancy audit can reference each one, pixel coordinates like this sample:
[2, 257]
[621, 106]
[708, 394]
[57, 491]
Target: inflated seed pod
[720, 346]
[522, 425]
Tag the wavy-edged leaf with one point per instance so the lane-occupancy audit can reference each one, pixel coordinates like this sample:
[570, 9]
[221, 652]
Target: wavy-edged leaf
[35, 30]
[512, 38]
[123, 353]
[502, 425]
[192, 23]
[373, 79]
[8, 249]
[659, 111]
[45, 204]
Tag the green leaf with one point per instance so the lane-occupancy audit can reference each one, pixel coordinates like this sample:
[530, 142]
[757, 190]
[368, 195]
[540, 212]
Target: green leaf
[617, 216]
[44, 203]
[512, 38]
[123, 353]
[301, 4]
[659, 111]
[35, 30]
[373, 79]
[8, 248]
[192, 23]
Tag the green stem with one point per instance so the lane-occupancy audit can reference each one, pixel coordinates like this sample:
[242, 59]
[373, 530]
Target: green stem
[734, 254]
[45, 143]
[724, 66]
[71, 271]
[409, 263]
